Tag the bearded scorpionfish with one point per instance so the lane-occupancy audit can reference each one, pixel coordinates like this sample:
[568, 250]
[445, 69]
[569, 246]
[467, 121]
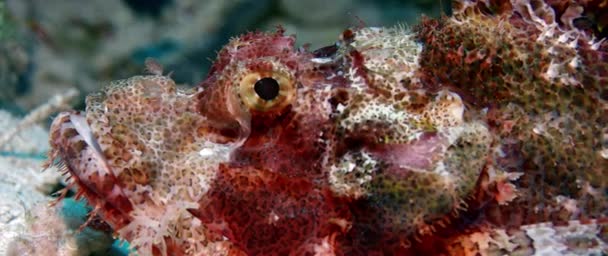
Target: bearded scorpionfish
[483, 133]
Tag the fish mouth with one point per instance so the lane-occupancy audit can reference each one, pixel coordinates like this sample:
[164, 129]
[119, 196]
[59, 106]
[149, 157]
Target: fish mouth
[70, 129]
[80, 155]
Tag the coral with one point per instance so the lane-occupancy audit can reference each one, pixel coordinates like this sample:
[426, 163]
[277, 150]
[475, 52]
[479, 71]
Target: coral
[55, 231]
[24, 190]
[56, 103]
[476, 133]
[14, 137]
[572, 238]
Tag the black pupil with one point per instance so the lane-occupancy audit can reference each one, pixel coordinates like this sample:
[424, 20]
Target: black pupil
[267, 88]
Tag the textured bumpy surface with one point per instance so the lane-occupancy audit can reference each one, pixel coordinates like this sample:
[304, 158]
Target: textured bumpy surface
[481, 133]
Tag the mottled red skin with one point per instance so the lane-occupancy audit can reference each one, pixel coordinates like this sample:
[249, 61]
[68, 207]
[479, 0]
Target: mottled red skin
[301, 211]
[279, 168]
[280, 161]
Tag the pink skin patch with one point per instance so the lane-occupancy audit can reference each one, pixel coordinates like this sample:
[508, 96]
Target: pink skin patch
[419, 154]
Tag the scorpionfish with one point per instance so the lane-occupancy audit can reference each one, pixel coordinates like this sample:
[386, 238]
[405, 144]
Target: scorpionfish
[482, 133]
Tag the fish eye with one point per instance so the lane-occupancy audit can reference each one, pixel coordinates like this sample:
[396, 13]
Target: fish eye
[267, 88]
[265, 91]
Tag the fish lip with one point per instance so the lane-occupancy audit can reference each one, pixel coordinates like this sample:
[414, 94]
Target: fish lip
[84, 129]
[69, 128]
[74, 143]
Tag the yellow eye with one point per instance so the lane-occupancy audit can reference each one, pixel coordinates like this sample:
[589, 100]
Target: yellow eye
[265, 91]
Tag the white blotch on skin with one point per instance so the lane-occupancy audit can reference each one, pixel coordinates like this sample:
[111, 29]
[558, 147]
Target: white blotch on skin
[206, 152]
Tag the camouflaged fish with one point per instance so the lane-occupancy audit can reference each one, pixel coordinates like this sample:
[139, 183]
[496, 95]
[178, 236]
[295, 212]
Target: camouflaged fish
[483, 133]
